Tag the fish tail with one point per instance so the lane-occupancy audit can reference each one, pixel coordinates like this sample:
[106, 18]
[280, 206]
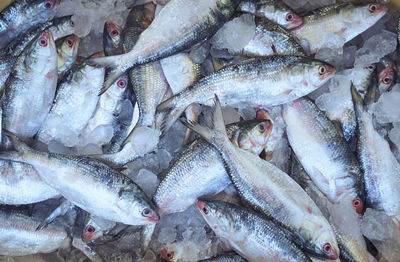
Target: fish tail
[172, 113]
[192, 113]
[357, 101]
[111, 78]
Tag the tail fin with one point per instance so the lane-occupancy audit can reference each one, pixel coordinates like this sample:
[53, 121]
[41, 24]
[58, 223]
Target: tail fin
[192, 114]
[172, 113]
[357, 101]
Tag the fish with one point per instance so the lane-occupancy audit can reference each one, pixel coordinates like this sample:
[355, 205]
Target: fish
[323, 152]
[30, 88]
[67, 49]
[200, 171]
[350, 250]
[193, 22]
[272, 192]
[274, 10]
[271, 39]
[225, 258]
[95, 227]
[21, 184]
[74, 104]
[345, 21]
[387, 76]
[380, 167]
[249, 234]
[6, 64]
[112, 39]
[89, 184]
[22, 15]
[257, 82]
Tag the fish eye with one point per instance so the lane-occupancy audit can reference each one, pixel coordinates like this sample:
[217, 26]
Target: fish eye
[70, 43]
[43, 42]
[146, 212]
[114, 33]
[371, 67]
[121, 83]
[90, 229]
[322, 70]
[327, 248]
[71, 23]
[289, 17]
[387, 80]
[372, 8]
[261, 127]
[205, 210]
[170, 255]
[48, 5]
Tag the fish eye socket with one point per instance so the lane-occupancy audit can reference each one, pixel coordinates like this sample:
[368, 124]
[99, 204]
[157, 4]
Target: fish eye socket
[261, 127]
[289, 17]
[371, 67]
[170, 255]
[70, 43]
[356, 203]
[327, 248]
[121, 83]
[205, 210]
[387, 80]
[48, 5]
[322, 70]
[372, 8]
[146, 212]
[71, 23]
[114, 33]
[43, 42]
[90, 229]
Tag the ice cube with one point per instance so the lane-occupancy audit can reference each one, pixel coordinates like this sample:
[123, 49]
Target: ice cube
[147, 181]
[386, 110]
[394, 134]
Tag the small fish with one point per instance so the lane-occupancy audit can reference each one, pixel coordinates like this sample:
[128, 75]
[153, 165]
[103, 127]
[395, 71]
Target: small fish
[323, 152]
[95, 227]
[67, 49]
[225, 258]
[271, 39]
[30, 88]
[268, 81]
[387, 77]
[192, 23]
[200, 171]
[89, 184]
[345, 20]
[249, 234]
[272, 192]
[275, 10]
[380, 167]
[73, 105]
[22, 15]
[112, 39]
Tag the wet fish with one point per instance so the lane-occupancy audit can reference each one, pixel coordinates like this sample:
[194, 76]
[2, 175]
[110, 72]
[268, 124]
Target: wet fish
[350, 250]
[380, 167]
[266, 82]
[22, 15]
[225, 258]
[387, 76]
[73, 105]
[112, 39]
[271, 39]
[189, 22]
[95, 227]
[200, 171]
[345, 21]
[323, 152]
[6, 64]
[21, 184]
[275, 10]
[272, 192]
[89, 184]
[67, 49]
[30, 88]
[249, 234]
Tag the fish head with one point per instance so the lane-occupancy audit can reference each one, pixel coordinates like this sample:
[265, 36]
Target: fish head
[43, 47]
[95, 227]
[254, 134]
[314, 73]
[215, 216]
[144, 210]
[366, 14]
[387, 77]
[70, 45]
[112, 38]
[167, 255]
[119, 87]
[44, 8]
[62, 26]
[326, 246]
[90, 233]
[280, 14]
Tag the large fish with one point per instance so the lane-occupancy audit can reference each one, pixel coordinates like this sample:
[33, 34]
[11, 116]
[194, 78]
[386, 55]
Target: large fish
[179, 25]
[268, 81]
[275, 10]
[200, 171]
[272, 192]
[30, 88]
[252, 236]
[323, 152]
[89, 184]
[21, 15]
[381, 169]
[344, 21]
[67, 49]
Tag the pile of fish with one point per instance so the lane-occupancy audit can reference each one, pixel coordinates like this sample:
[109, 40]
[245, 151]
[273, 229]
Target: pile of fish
[212, 130]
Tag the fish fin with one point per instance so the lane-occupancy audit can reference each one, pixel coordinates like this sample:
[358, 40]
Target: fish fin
[357, 100]
[61, 210]
[111, 78]
[170, 119]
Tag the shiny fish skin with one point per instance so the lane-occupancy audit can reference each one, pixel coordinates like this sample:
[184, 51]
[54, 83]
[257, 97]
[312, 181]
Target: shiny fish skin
[75, 101]
[272, 192]
[275, 10]
[268, 81]
[112, 39]
[200, 171]
[350, 250]
[83, 181]
[21, 184]
[67, 49]
[192, 22]
[18, 235]
[249, 234]
[271, 39]
[381, 169]
[323, 152]
[344, 20]
[6, 64]
[21, 15]
[225, 258]
[30, 88]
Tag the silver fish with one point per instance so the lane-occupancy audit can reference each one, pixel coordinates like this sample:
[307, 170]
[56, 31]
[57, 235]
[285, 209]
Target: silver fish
[249, 234]
[67, 49]
[30, 88]
[112, 39]
[272, 192]
[225, 258]
[200, 171]
[95, 227]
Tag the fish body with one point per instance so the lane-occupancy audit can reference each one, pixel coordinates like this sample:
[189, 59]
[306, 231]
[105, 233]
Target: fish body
[177, 27]
[30, 88]
[225, 258]
[200, 171]
[275, 10]
[323, 152]
[67, 50]
[268, 81]
[73, 105]
[6, 64]
[271, 39]
[380, 167]
[249, 234]
[343, 21]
